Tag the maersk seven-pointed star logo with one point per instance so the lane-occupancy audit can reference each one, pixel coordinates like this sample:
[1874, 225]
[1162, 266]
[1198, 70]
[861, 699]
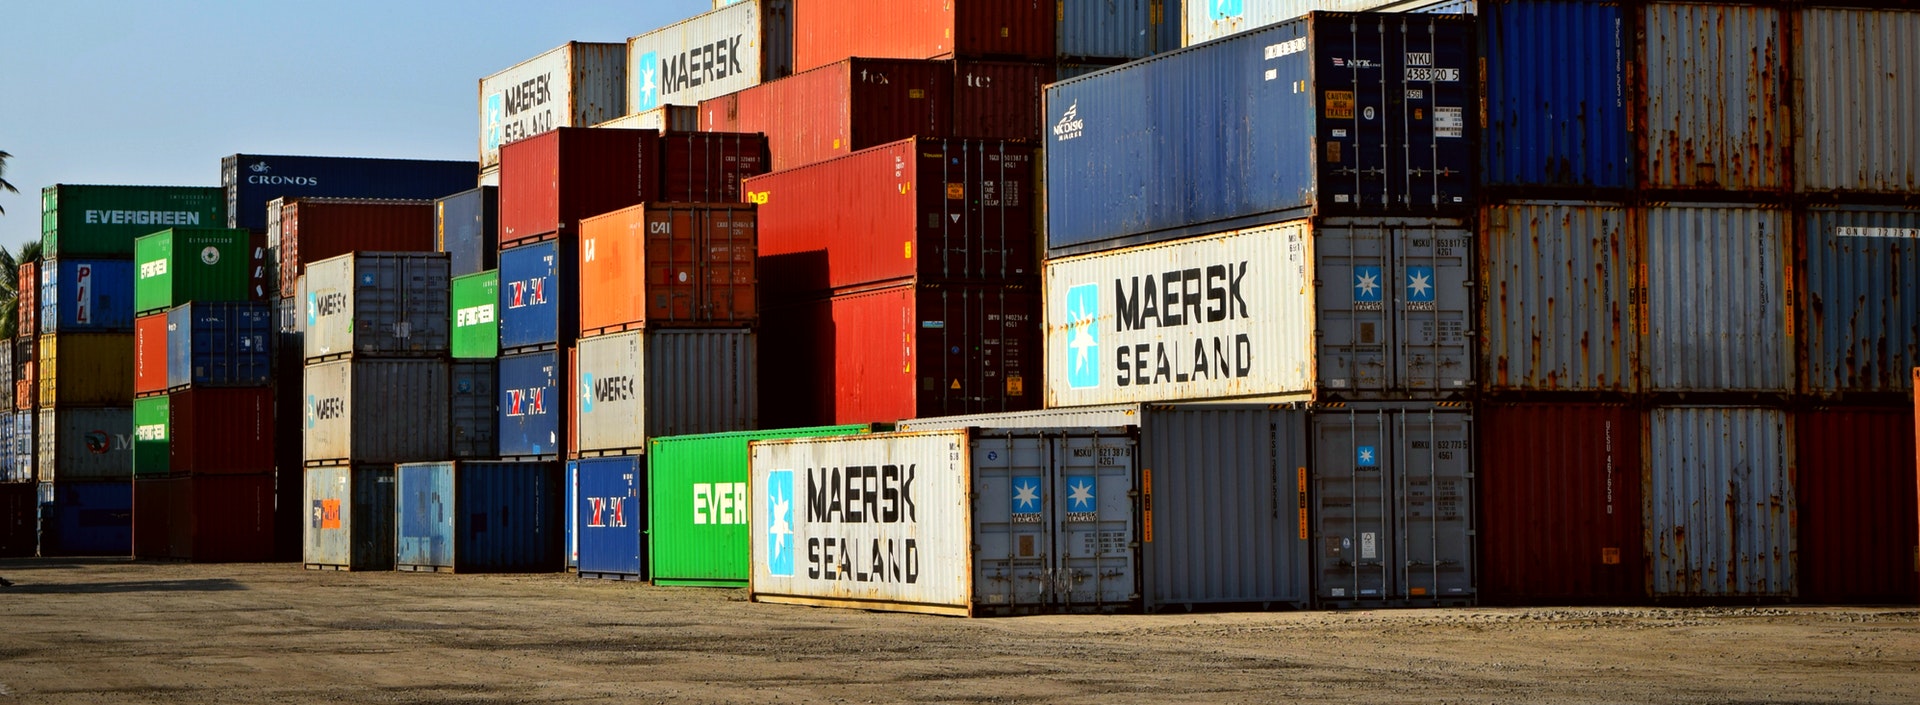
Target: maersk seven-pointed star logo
[1420, 284]
[1366, 284]
[1026, 495]
[780, 522]
[496, 114]
[1365, 457]
[1080, 494]
[1224, 9]
[647, 84]
[1083, 338]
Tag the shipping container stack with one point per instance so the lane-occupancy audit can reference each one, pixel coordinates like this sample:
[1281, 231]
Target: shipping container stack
[19, 494]
[203, 417]
[466, 227]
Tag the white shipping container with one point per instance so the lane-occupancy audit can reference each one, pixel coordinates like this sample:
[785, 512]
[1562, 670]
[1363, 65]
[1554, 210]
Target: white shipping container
[641, 384]
[1208, 20]
[728, 50]
[577, 84]
[375, 411]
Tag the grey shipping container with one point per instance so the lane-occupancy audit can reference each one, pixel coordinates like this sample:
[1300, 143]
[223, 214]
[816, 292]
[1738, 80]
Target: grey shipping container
[1715, 96]
[375, 411]
[1557, 310]
[379, 303]
[641, 384]
[7, 371]
[85, 444]
[475, 420]
[1862, 299]
[1393, 506]
[1721, 517]
[1854, 72]
[1719, 283]
[350, 518]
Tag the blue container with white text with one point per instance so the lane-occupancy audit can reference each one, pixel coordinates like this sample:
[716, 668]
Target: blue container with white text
[539, 295]
[530, 407]
[609, 516]
[220, 344]
[252, 180]
[86, 296]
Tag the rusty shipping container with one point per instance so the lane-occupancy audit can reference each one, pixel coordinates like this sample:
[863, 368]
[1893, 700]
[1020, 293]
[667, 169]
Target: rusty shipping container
[1560, 504]
[314, 229]
[1855, 100]
[221, 519]
[840, 108]
[576, 84]
[1862, 299]
[1856, 500]
[828, 31]
[1557, 311]
[655, 265]
[1719, 283]
[1716, 98]
[1721, 512]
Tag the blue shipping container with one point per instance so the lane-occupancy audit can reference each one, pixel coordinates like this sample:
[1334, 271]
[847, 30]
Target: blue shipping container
[1556, 107]
[467, 228]
[349, 518]
[11, 470]
[1334, 114]
[252, 180]
[1863, 299]
[531, 408]
[475, 385]
[1115, 30]
[86, 295]
[610, 518]
[479, 517]
[573, 520]
[539, 294]
[86, 518]
[220, 344]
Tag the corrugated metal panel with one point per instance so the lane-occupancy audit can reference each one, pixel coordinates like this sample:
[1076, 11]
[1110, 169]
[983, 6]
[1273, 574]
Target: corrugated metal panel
[999, 100]
[1863, 299]
[656, 265]
[666, 118]
[150, 421]
[1856, 509]
[478, 517]
[178, 265]
[317, 229]
[150, 353]
[572, 481]
[1555, 107]
[576, 84]
[838, 109]
[251, 180]
[1560, 504]
[1106, 30]
[833, 30]
[1716, 97]
[1393, 501]
[222, 431]
[612, 400]
[1718, 282]
[1557, 311]
[19, 525]
[362, 410]
[7, 370]
[85, 369]
[466, 226]
[531, 405]
[220, 345]
[610, 518]
[640, 384]
[86, 296]
[709, 55]
[226, 519]
[391, 304]
[539, 294]
[476, 421]
[350, 518]
[1108, 415]
[20, 454]
[1853, 71]
[1721, 512]
[102, 221]
[548, 183]
[476, 321]
[1207, 20]
[86, 518]
[85, 444]
[28, 307]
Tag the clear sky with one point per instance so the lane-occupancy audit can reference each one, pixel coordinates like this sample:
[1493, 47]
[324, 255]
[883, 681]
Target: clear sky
[144, 92]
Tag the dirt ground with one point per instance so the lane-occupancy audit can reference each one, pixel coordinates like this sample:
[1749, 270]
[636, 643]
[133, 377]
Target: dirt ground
[114, 631]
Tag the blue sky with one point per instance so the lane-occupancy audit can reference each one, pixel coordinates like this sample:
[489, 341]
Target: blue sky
[126, 92]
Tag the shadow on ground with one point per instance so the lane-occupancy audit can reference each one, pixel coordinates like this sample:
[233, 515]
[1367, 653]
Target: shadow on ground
[52, 588]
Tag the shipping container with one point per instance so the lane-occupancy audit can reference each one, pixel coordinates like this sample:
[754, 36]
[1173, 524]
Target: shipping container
[1251, 313]
[1393, 505]
[178, 265]
[390, 304]
[1207, 21]
[84, 444]
[1851, 71]
[1856, 504]
[1721, 513]
[840, 108]
[1000, 100]
[150, 452]
[1557, 308]
[475, 421]
[608, 513]
[224, 519]
[572, 537]
[150, 340]
[1862, 302]
[1715, 93]
[21, 454]
[707, 167]
[942, 210]
[964, 523]
[85, 369]
[223, 431]
[221, 344]
[313, 230]
[102, 221]
[1111, 31]
[291, 314]
[85, 296]
[466, 226]
[479, 517]
[834, 30]
[539, 301]
[27, 293]
[476, 327]
[907, 351]
[656, 265]
[1555, 105]
[1719, 284]
[548, 183]
[530, 405]
[86, 518]
[375, 411]
[666, 118]
[1560, 504]
[251, 180]
[576, 84]
[19, 519]
[641, 384]
[696, 495]
[1269, 125]
[7, 370]
[710, 55]
[352, 514]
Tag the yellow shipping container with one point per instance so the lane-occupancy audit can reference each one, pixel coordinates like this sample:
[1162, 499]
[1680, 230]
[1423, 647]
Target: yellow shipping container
[86, 369]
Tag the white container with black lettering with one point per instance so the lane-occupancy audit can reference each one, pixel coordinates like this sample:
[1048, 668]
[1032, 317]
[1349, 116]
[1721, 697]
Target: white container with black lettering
[728, 50]
[641, 384]
[577, 84]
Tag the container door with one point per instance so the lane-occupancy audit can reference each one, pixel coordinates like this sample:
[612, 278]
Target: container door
[573, 514]
[1433, 310]
[1094, 510]
[426, 517]
[1353, 559]
[1434, 469]
[1011, 514]
[1354, 281]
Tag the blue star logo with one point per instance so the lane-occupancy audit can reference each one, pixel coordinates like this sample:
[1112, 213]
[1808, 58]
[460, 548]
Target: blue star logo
[496, 114]
[1083, 336]
[1080, 494]
[1026, 495]
[1367, 284]
[646, 82]
[586, 392]
[780, 523]
[1225, 9]
[1366, 458]
[1420, 284]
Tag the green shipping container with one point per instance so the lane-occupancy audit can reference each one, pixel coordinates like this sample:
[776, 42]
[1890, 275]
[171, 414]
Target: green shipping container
[150, 437]
[693, 539]
[178, 265]
[102, 221]
[476, 323]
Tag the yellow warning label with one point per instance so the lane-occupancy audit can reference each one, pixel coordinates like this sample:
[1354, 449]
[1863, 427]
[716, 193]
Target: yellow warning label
[1610, 556]
[1417, 592]
[1339, 105]
[1333, 152]
[759, 197]
[916, 93]
[1146, 505]
[1300, 497]
[836, 143]
[909, 250]
[1016, 386]
[955, 385]
[956, 191]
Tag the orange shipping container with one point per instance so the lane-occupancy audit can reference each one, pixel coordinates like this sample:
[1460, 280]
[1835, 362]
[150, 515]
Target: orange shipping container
[150, 353]
[668, 265]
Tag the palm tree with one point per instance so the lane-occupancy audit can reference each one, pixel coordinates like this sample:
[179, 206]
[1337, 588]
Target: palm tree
[10, 285]
[4, 185]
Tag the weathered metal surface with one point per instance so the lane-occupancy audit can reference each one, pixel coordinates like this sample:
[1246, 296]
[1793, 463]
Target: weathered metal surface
[1716, 98]
[1393, 505]
[1719, 284]
[1721, 509]
[1862, 303]
[1854, 74]
[1556, 105]
[1557, 309]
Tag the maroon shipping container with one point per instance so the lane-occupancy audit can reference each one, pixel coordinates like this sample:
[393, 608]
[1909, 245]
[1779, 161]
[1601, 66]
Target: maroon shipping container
[313, 229]
[932, 209]
[1856, 504]
[204, 519]
[707, 167]
[28, 308]
[833, 30]
[550, 181]
[1560, 514]
[907, 351]
[19, 519]
[998, 100]
[221, 431]
[835, 110]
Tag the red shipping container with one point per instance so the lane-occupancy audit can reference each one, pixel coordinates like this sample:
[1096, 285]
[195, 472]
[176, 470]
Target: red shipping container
[906, 351]
[26, 381]
[1856, 485]
[833, 30]
[28, 300]
[839, 109]
[707, 167]
[150, 353]
[206, 519]
[221, 431]
[550, 181]
[19, 519]
[933, 209]
[313, 229]
[667, 264]
[1560, 514]
[999, 100]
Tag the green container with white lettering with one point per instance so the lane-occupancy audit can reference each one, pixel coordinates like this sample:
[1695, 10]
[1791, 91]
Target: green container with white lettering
[476, 323]
[151, 437]
[178, 265]
[697, 528]
[102, 221]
